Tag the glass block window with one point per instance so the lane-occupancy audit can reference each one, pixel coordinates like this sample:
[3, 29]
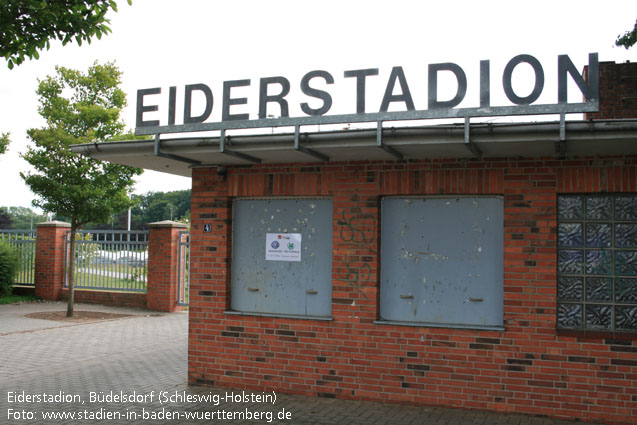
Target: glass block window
[597, 262]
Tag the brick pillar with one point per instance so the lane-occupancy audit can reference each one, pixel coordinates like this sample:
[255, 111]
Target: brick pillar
[49, 259]
[163, 242]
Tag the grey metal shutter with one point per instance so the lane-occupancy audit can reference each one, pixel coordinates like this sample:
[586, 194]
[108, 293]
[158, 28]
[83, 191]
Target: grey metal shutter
[442, 260]
[282, 287]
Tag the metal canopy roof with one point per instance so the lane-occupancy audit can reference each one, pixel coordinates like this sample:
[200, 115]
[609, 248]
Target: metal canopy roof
[537, 139]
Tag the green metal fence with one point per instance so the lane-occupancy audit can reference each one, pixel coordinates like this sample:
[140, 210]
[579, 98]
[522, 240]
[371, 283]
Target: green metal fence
[23, 241]
[112, 260]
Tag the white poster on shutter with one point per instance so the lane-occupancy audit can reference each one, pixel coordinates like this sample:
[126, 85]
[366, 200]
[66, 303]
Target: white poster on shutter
[283, 246]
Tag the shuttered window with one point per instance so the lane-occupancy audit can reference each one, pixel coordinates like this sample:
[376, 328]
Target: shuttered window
[282, 257]
[442, 261]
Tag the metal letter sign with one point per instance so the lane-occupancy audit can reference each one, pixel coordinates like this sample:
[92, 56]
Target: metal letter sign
[273, 91]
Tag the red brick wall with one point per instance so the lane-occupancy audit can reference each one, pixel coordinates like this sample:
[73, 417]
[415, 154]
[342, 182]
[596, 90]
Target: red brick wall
[117, 299]
[528, 368]
[617, 91]
[162, 269]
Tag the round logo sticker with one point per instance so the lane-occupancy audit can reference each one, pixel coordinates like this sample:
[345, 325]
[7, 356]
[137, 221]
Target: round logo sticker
[275, 244]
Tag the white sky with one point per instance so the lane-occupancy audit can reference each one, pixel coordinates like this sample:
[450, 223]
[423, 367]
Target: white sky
[161, 43]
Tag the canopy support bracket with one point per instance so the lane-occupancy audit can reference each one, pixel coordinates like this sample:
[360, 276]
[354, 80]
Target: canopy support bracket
[161, 154]
[473, 148]
[222, 149]
[307, 151]
[389, 149]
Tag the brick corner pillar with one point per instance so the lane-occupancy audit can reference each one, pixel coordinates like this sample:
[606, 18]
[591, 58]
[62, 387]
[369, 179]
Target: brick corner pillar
[163, 273]
[49, 259]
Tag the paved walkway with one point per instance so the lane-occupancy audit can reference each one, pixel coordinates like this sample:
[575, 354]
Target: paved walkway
[83, 371]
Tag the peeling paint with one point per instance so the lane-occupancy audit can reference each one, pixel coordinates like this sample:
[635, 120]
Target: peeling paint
[477, 228]
[416, 255]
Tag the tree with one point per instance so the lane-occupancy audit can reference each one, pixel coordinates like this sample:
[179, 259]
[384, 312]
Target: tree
[628, 39]
[5, 220]
[158, 206]
[29, 25]
[23, 217]
[71, 185]
[160, 210]
[4, 142]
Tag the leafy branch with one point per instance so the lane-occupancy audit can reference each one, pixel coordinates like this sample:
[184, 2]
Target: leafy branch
[28, 26]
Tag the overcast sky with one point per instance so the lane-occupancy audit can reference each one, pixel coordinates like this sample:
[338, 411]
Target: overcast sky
[162, 43]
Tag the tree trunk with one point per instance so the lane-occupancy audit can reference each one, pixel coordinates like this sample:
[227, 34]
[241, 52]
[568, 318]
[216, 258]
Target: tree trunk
[71, 271]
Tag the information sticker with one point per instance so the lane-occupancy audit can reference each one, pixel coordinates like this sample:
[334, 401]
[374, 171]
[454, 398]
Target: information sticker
[283, 247]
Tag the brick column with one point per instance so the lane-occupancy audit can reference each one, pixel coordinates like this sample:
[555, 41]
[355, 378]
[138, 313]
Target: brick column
[163, 242]
[49, 259]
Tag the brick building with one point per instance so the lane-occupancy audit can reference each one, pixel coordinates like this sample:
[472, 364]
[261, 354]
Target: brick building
[490, 268]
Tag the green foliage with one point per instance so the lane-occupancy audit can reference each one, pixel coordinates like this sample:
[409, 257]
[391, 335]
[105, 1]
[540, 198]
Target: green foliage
[68, 184]
[150, 207]
[28, 26]
[21, 218]
[5, 220]
[130, 135]
[628, 39]
[8, 267]
[4, 142]
[78, 108]
[160, 206]
[13, 299]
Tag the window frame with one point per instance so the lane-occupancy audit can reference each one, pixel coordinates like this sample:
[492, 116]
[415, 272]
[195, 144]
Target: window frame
[576, 277]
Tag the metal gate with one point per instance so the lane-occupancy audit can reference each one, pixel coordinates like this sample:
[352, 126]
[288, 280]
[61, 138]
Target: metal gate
[109, 260]
[183, 267]
[23, 242]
